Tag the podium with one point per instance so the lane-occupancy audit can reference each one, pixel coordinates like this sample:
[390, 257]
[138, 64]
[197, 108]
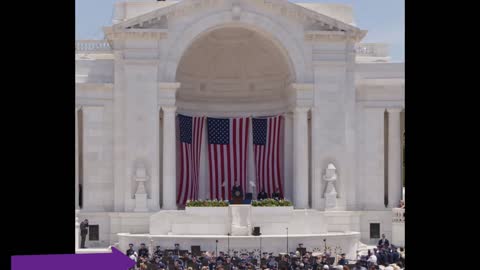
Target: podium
[237, 197]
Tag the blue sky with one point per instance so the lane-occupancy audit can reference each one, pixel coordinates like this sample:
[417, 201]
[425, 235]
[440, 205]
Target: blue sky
[384, 20]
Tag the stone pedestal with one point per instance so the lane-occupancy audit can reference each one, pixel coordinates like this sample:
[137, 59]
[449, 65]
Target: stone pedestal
[141, 203]
[330, 193]
[330, 201]
[240, 220]
[141, 194]
[398, 234]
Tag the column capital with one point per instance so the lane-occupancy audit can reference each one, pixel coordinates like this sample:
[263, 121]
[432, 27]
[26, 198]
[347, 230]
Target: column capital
[301, 94]
[302, 86]
[394, 110]
[167, 93]
[379, 109]
[169, 109]
[168, 86]
[301, 109]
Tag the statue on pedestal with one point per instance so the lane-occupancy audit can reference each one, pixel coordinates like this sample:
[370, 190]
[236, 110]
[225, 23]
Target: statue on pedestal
[141, 194]
[330, 192]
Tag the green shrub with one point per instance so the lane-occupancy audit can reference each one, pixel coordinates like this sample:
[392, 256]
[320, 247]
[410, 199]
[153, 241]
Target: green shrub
[271, 203]
[207, 203]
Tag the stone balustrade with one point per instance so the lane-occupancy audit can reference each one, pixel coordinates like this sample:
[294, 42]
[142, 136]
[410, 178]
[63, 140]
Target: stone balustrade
[92, 46]
[372, 49]
[398, 215]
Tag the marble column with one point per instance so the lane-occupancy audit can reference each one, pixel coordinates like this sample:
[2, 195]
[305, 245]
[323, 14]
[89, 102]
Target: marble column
[77, 231]
[288, 157]
[373, 160]
[251, 163]
[77, 205]
[394, 158]
[300, 135]
[169, 158]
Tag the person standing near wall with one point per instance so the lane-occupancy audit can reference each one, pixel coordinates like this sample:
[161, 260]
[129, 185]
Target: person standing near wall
[83, 232]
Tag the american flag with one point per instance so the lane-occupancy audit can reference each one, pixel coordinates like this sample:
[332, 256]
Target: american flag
[227, 155]
[267, 152]
[191, 131]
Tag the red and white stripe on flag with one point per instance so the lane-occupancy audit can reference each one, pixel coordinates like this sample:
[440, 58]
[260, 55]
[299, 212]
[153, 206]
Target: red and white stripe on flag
[267, 152]
[227, 155]
[191, 132]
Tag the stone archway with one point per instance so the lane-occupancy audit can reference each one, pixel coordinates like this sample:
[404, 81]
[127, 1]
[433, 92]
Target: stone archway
[234, 70]
[290, 47]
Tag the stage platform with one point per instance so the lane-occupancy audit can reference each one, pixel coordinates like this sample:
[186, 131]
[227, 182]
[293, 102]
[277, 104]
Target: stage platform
[92, 250]
[204, 226]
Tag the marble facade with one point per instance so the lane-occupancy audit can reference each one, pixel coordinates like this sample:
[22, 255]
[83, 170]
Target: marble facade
[237, 58]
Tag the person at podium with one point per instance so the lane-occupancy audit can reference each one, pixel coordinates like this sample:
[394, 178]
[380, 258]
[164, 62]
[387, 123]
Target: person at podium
[262, 195]
[237, 191]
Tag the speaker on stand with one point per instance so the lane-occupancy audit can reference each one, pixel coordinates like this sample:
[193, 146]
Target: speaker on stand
[256, 232]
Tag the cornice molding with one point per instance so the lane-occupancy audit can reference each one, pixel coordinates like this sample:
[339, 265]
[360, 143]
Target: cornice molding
[314, 36]
[181, 9]
[302, 86]
[94, 86]
[277, 7]
[168, 86]
[156, 34]
[140, 62]
[381, 82]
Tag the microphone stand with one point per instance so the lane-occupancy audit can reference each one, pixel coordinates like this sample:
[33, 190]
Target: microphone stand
[287, 240]
[260, 255]
[228, 243]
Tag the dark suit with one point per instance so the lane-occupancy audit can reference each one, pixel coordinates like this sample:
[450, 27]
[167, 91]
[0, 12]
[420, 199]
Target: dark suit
[130, 252]
[384, 242]
[276, 196]
[262, 196]
[395, 256]
[143, 252]
[235, 260]
[196, 265]
[83, 232]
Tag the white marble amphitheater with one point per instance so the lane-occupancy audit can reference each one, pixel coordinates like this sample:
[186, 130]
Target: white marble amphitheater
[342, 101]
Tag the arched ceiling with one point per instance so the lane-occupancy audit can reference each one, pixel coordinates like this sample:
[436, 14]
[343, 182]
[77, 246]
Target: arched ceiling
[233, 65]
